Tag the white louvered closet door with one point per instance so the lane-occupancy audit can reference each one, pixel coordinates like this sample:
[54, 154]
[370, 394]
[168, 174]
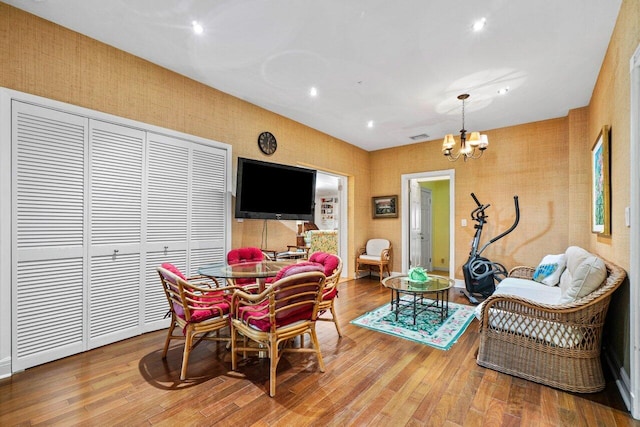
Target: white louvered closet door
[208, 211]
[98, 202]
[186, 214]
[166, 220]
[115, 215]
[48, 188]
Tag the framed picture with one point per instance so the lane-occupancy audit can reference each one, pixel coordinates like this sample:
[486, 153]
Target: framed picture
[601, 185]
[385, 206]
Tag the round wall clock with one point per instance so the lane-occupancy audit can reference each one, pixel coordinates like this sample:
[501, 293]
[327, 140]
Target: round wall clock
[267, 143]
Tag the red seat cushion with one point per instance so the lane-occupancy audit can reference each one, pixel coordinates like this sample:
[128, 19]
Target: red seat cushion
[328, 261]
[175, 270]
[292, 269]
[250, 254]
[330, 295]
[216, 303]
[301, 267]
[249, 314]
[253, 316]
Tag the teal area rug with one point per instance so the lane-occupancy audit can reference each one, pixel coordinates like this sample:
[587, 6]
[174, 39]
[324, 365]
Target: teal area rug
[429, 329]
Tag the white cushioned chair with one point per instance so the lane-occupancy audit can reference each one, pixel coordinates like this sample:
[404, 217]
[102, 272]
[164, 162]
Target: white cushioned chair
[377, 253]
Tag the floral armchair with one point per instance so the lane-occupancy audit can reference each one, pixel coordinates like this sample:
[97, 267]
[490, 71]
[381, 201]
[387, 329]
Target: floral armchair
[323, 241]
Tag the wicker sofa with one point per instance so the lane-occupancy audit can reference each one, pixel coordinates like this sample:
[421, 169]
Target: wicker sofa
[553, 343]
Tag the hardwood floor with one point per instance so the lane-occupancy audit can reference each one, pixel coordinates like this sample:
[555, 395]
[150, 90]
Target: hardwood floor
[370, 379]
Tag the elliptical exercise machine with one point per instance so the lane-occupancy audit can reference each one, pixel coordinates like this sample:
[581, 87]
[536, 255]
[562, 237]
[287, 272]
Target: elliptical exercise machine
[481, 274]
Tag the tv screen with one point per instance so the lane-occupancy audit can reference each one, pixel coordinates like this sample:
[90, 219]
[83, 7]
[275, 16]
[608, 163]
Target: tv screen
[272, 191]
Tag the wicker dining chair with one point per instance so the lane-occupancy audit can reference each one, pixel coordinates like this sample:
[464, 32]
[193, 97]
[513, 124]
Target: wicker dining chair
[332, 265]
[240, 255]
[198, 308]
[284, 310]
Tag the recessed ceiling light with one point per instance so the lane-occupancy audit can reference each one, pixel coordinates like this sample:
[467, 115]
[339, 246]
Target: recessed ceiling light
[313, 92]
[503, 90]
[370, 124]
[197, 27]
[479, 24]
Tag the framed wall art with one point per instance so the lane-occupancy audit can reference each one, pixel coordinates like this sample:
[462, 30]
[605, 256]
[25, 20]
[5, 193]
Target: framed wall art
[385, 206]
[601, 185]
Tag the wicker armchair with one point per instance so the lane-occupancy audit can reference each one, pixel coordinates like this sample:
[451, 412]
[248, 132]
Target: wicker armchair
[199, 307]
[378, 253]
[285, 310]
[555, 345]
[332, 265]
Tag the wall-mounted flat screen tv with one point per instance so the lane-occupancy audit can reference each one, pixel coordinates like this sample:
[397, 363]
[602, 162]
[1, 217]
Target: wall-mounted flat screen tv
[273, 191]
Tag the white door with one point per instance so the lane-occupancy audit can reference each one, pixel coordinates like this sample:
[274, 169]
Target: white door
[166, 220]
[48, 216]
[186, 214]
[415, 225]
[207, 207]
[426, 233]
[115, 231]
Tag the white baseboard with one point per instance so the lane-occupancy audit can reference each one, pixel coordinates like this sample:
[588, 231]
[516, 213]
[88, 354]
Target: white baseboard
[5, 367]
[621, 377]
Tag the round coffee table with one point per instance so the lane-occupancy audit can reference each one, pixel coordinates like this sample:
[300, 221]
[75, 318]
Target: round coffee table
[438, 286]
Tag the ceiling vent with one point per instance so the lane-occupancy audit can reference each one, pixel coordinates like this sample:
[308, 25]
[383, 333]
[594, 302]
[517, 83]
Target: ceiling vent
[419, 137]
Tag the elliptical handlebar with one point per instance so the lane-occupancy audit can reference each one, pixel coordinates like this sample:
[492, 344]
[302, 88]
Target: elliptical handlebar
[513, 226]
[515, 223]
[478, 213]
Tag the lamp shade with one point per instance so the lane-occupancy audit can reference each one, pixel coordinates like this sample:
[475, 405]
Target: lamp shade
[448, 142]
[484, 142]
[474, 139]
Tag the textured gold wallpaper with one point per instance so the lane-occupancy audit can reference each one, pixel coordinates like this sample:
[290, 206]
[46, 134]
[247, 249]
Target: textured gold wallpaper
[543, 162]
[529, 160]
[610, 105]
[44, 59]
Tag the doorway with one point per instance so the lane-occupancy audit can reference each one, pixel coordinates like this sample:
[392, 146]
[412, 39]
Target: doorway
[441, 186]
[426, 229]
[331, 208]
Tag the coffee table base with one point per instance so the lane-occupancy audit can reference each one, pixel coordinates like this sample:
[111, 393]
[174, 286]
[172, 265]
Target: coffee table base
[417, 304]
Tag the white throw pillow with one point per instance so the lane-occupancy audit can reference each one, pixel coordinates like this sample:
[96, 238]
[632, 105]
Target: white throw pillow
[585, 273]
[550, 268]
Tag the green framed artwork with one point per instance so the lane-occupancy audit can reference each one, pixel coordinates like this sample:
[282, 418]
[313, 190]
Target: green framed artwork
[601, 185]
[385, 206]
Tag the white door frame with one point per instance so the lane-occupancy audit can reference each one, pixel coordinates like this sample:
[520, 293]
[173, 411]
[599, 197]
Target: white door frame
[634, 237]
[428, 176]
[343, 220]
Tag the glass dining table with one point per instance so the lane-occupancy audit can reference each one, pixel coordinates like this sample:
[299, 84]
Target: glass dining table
[258, 270]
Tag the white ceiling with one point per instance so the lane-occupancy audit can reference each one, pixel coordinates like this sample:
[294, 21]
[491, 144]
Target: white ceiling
[399, 63]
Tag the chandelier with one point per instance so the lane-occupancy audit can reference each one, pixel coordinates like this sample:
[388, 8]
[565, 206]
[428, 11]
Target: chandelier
[471, 148]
